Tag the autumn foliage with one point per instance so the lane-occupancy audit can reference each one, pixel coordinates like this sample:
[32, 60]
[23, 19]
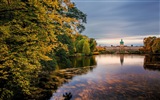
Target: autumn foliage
[32, 33]
[151, 45]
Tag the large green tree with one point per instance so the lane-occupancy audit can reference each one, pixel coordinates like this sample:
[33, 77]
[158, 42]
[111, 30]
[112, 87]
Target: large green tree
[28, 35]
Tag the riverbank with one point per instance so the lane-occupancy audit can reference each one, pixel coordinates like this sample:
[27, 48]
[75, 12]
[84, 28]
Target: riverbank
[119, 50]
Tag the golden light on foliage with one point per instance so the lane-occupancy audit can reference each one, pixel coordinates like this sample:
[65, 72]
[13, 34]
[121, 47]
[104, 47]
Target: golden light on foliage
[151, 45]
[35, 35]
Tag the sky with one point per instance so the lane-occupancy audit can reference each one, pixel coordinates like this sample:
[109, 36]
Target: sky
[109, 21]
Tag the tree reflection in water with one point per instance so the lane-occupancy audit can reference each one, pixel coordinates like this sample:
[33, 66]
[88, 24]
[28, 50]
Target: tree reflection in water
[31, 85]
[152, 62]
[83, 61]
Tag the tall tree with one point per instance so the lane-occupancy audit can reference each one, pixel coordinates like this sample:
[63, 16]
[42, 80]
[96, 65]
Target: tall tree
[28, 30]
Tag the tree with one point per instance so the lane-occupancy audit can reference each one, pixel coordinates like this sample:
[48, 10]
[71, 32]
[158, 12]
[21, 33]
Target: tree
[148, 42]
[93, 44]
[151, 45]
[74, 12]
[28, 30]
[79, 46]
[156, 46]
[86, 48]
[68, 41]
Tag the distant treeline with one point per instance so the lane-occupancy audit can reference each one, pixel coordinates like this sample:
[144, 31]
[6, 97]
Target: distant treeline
[151, 46]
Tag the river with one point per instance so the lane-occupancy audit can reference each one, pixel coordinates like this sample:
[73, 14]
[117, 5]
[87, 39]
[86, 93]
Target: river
[113, 77]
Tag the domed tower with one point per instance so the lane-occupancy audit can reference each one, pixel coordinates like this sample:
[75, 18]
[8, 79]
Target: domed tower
[121, 43]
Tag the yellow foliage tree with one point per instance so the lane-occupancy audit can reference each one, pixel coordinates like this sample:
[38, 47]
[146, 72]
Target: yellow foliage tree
[28, 30]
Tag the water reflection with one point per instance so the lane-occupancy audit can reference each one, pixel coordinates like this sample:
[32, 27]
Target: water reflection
[98, 77]
[152, 62]
[41, 85]
[122, 58]
[83, 61]
[109, 81]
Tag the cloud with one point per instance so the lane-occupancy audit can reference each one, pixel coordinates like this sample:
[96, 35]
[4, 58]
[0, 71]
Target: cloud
[112, 19]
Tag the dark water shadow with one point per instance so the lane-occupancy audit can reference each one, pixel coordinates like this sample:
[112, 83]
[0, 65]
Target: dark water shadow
[152, 62]
[82, 61]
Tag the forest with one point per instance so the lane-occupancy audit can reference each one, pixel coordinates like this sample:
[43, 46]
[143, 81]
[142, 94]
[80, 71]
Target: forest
[35, 35]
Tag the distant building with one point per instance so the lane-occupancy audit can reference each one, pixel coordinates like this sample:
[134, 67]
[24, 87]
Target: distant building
[121, 43]
[121, 50]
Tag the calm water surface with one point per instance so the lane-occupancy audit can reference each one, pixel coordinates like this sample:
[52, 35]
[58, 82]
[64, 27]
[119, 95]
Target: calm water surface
[115, 77]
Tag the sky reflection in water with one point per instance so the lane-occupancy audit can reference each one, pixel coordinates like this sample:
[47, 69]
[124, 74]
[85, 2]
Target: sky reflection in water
[114, 77]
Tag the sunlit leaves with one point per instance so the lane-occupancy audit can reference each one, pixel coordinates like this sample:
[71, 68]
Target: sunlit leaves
[152, 45]
[29, 31]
